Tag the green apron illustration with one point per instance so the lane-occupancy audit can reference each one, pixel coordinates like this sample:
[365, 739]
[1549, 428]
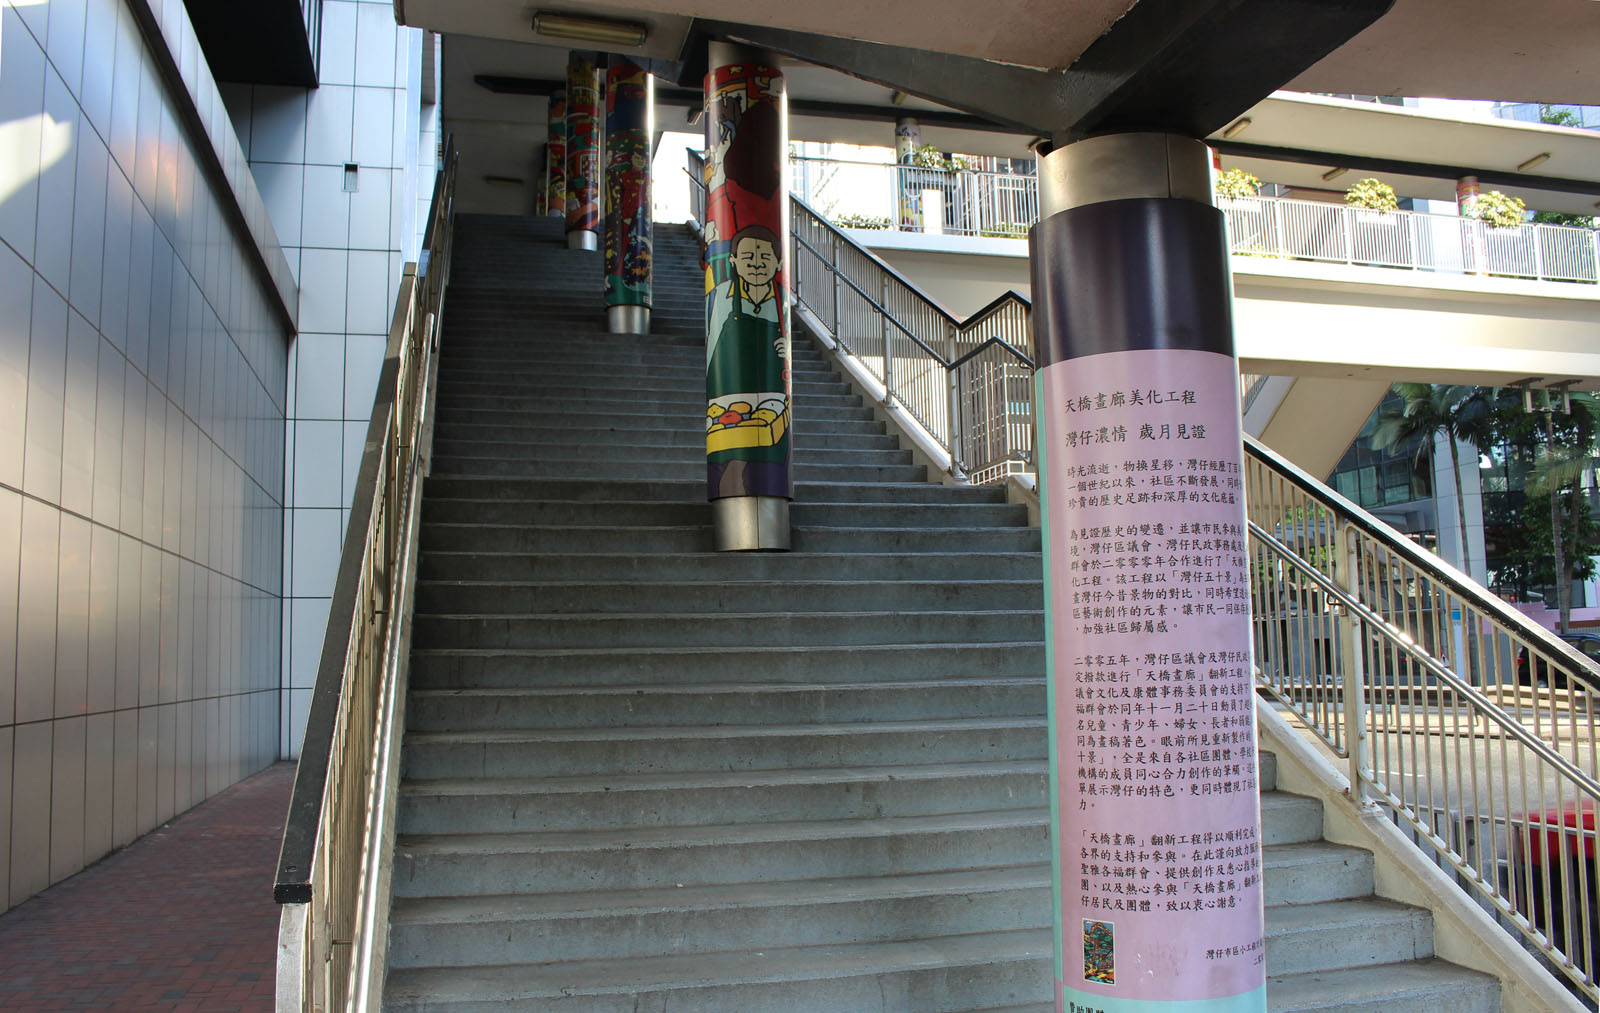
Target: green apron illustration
[747, 417]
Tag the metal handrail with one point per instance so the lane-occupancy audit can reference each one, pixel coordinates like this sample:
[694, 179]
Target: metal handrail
[1412, 674]
[332, 878]
[1273, 227]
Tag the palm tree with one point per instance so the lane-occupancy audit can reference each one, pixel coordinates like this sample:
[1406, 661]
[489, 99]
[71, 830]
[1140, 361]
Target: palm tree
[1564, 465]
[1427, 411]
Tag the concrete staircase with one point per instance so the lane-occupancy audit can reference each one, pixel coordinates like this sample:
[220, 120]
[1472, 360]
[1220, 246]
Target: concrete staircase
[640, 775]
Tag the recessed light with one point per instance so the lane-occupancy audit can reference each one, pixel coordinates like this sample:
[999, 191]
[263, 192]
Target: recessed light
[1236, 128]
[1539, 159]
[1335, 172]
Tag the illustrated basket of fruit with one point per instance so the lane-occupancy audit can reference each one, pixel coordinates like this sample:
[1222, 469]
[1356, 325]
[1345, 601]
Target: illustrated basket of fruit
[738, 424]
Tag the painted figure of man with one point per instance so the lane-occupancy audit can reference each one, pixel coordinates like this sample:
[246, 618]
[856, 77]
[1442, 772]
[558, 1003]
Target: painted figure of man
[747, 370]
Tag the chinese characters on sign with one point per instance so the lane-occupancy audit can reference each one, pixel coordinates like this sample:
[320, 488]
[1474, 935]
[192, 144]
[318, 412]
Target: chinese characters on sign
[1153, 704]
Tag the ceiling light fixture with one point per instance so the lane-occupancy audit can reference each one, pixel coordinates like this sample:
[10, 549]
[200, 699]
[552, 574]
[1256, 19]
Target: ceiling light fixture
[1539, 159]
[1335, 172]
[604, 30]
[1236, 128]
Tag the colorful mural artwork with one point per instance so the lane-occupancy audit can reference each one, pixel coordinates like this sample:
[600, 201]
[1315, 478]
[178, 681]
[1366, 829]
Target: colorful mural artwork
[556, 157]
[1099, 952]
[907, 139]
[747, 312]
[627, 190]
[583, 143]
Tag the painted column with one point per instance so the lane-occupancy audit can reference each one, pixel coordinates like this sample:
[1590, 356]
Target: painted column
[907, 139]
[556, 158]
[630, 122]
[1156, 823]
[583, 152]
[1475, 251]
[748, 453]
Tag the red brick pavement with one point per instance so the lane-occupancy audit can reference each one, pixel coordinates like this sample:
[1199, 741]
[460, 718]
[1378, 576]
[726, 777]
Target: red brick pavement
[181, 919]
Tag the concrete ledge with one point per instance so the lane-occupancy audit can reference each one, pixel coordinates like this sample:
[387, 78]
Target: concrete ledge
[1464, 934]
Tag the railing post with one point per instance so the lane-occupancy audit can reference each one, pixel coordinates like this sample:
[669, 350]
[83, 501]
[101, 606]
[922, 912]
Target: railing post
[1353, 669]
[958, 462]
[838, 324]
[1594, 253]
[1538, 252]
[883, 317]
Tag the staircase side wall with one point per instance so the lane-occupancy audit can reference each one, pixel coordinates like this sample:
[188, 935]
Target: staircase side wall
[1463, 932]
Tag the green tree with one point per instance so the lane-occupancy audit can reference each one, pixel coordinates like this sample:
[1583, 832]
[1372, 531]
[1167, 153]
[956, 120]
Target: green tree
[1428, 411]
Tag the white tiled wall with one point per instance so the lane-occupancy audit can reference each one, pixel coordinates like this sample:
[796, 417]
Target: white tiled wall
[142, 399]
[346, 248]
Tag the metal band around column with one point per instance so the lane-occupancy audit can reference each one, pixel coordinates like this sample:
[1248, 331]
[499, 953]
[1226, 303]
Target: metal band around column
[748, 419]
[1155, 812]
[629, 126]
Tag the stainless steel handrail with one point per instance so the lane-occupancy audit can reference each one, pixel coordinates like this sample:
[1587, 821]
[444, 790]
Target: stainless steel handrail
[1413, 675]
[332, 869]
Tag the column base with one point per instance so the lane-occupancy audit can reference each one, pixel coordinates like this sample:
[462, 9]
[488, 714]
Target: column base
[750, 524]
[628, 319]
[583, 239]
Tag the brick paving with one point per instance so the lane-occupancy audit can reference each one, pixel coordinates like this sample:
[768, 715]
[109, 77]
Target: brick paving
[181, 919]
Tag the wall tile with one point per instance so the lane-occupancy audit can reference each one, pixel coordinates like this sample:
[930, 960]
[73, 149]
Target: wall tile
[329, 113]
[77, 440]
[369, 302]
[375, 46]
[10, 568]
[6, 736]
[326, 210]
[363, 361]
[281, 186]
[338, 63]
[32, 759]
[98, 775]
[149, 767]
[88, 226]
[16, 307]
[125, 77]
[64, 45]
[125, 779]
[66, 797]
[319, 384]
[317, 534]
[373, 143]
[47, 378]
[104, 557]
[317, 466]
[322, 291]
[72, 618]
[355, 445]
[130, 559]
[278, 124]
[108, 436]
[308, 628]
[99, 61]
[299, 707]
[22, 66]
[58, 164]
[371, 210]
[118, 237]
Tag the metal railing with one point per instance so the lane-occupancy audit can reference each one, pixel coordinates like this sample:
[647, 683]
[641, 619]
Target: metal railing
[967, 202]
[967, 383]
[1472, 726]
[332, 879]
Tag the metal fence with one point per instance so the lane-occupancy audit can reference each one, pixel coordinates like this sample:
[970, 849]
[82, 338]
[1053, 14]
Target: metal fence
[875, 195]
[1472, 726]
[331, 879]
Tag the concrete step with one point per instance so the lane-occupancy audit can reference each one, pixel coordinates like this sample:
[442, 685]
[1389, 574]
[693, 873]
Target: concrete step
[1307, 938]
[803, 470]
[716, 567]
[693, 490]
[649, 513]
[939, 975]
[1315, 871]
[626, 924]
[723, 629]
[692, 705]
[560, 751]
[600, 454]
[688, 538]
[579, 418]
[687, 433]
[625, 400]
[463, 865]
[625, 387]
[681, 370]
[611, 666]
[606, 802]
[1420, 986]
[527, 598]
[1289, 819]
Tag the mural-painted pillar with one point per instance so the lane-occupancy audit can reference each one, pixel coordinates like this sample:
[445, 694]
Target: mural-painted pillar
[583, 152]
[907, 139]
[748, 452]
[630, 123]
[1156, 822]
[556, 156]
